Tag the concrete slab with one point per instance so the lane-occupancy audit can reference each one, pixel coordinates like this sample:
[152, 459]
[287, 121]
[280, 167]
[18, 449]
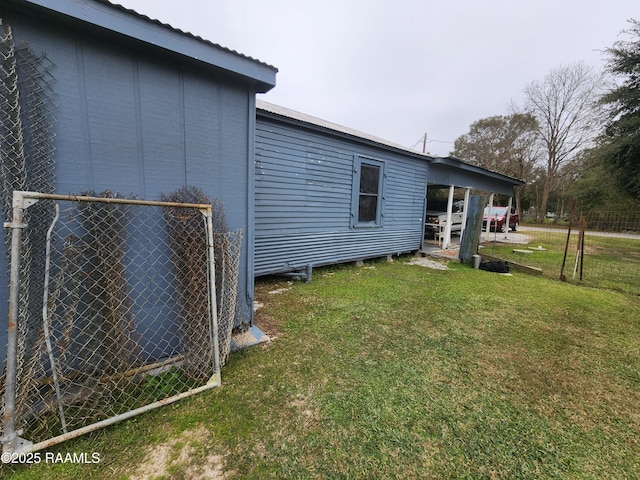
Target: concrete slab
[253, 336]
[501, 237]
[425, 262]
[450, 254]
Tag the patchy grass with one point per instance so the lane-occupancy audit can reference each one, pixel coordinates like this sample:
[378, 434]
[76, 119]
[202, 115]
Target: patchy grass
[609, 262]
[400, 371]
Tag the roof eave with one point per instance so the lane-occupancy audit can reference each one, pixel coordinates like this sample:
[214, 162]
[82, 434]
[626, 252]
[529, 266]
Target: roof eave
[117, 20]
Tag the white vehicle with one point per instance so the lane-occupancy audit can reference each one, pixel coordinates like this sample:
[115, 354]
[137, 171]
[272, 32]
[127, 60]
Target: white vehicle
[436, 219]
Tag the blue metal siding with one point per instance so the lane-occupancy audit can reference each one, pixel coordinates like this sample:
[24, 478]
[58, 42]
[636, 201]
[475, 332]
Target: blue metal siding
[142, 126]
[303, 200]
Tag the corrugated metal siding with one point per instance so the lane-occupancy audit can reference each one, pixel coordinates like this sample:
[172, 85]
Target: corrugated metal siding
[284, 253]
[303, 190]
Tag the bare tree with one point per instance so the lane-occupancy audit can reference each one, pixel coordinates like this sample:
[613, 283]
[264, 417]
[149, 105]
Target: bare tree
[565, 105]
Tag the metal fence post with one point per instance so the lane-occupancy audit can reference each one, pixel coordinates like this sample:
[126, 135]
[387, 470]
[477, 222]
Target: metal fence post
[208, 215]
[16, 225]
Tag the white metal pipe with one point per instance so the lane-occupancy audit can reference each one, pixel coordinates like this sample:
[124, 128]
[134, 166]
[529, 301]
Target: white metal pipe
[119, 418]
[208, 214]
[508, 219]
[45, 320]
[489, 213]
[122, 201]
[16, 225]
[465, 207]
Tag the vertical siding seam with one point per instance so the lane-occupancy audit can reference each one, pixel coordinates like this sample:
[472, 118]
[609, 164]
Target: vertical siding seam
[139, 131]
[84, 105]
[183, 119]
[219, 140]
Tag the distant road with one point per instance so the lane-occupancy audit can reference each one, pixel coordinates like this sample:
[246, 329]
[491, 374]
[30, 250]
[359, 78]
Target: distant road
[574, 230]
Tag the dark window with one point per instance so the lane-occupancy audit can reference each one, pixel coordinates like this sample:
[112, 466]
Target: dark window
[368, 185]
[368, 200]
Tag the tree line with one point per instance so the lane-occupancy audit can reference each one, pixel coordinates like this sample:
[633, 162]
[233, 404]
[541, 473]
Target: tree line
[577, 136]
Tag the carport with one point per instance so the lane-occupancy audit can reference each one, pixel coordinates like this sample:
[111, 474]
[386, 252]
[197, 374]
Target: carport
[450, 173]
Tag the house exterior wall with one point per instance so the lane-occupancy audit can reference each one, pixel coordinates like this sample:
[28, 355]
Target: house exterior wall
[132, 121]
[304, 203]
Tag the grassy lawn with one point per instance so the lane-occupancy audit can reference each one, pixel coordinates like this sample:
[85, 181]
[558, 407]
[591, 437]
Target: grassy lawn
[609, 262]
[400, 371]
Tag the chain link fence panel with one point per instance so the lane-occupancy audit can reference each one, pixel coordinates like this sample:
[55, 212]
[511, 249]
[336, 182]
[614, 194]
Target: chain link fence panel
[129, 315]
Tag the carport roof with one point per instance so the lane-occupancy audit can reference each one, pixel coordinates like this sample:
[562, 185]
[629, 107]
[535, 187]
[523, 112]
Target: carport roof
[454, 162]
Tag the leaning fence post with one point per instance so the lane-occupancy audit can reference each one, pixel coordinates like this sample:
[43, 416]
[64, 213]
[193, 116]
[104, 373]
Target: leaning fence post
[9, 420]
[566, 247]
[213, 306]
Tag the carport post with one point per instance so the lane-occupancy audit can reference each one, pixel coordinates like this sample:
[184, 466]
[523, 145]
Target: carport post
[447, 227]
[489, 213]
[508, 219]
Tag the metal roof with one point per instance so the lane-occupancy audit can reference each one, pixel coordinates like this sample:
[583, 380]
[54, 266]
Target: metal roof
[188, 34]
[263, 107]
[119, 20]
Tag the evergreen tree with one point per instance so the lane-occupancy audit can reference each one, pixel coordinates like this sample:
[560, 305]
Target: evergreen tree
[621, 141]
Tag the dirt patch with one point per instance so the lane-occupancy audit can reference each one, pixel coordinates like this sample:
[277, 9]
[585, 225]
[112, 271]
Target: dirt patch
[427, 262]
[266, 292]
[183, 454]
[308, 414]
[265, 323]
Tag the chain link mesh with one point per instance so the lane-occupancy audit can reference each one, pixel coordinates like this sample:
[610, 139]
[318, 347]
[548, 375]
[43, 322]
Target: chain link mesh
[227, 251]
[26, 162]
[14, 175]
[227, 247]
[127, 318]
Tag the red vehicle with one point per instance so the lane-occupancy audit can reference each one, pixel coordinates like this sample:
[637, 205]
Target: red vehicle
[498, 219]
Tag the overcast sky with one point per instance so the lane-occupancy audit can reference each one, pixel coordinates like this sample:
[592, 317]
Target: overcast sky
[399, 69]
